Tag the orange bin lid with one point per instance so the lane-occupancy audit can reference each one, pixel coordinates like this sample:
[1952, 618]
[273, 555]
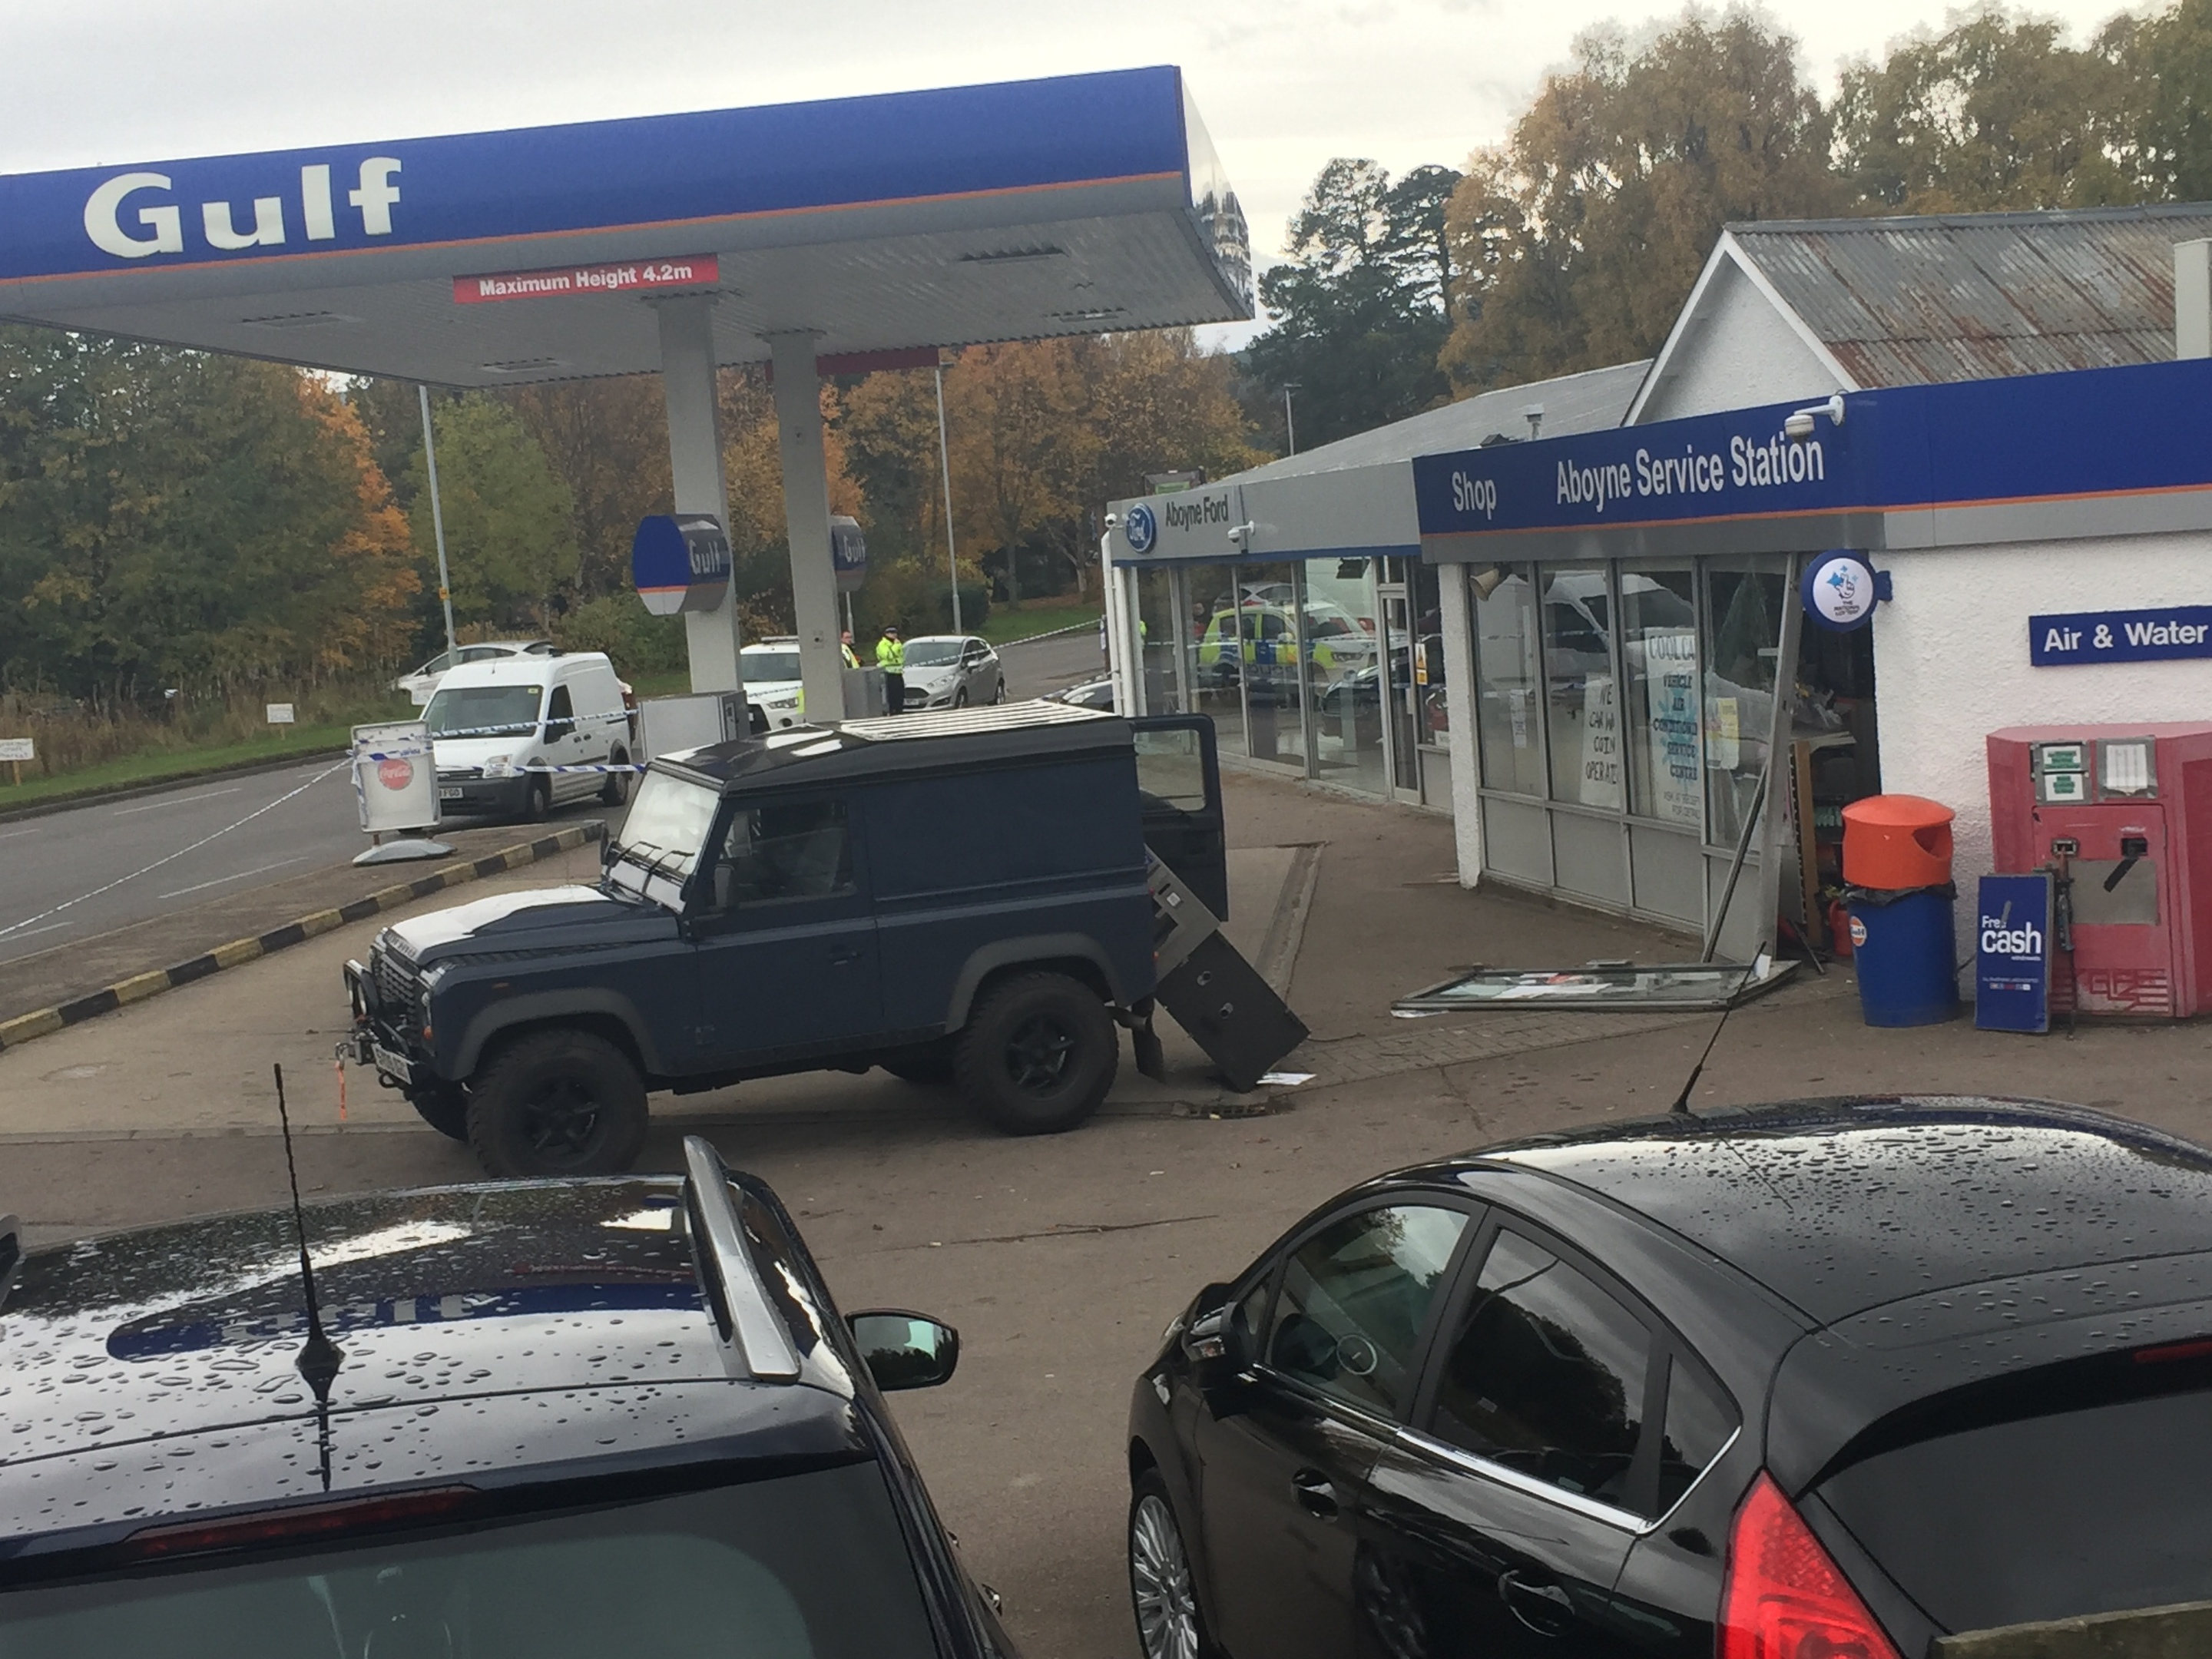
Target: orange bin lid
[1896, 842]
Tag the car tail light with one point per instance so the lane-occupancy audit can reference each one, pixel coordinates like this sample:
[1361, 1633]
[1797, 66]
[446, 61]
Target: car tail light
[286, 1526]
[1785, 1598]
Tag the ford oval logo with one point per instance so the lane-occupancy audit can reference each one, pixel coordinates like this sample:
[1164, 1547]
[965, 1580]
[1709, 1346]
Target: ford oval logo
[1142, 530]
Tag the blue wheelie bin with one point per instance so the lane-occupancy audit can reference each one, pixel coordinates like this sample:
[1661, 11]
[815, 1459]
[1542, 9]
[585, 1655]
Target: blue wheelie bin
[1896, 871]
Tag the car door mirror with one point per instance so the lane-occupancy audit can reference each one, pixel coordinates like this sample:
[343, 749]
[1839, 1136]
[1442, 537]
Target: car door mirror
[906, 1350]
[1217, 1345]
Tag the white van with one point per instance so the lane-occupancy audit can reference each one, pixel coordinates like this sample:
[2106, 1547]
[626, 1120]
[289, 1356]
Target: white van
[497, 725]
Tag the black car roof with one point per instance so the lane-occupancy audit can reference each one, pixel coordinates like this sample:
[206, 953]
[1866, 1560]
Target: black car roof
[482, 1327]
[1841, 1206]
[947, 740]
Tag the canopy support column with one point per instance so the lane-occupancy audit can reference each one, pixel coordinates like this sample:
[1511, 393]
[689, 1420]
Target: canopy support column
[695, 459]
[806, 523]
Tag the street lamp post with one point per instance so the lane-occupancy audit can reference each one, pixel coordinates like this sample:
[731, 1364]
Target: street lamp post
[944, 460]
[437, 518]
[1290, 428]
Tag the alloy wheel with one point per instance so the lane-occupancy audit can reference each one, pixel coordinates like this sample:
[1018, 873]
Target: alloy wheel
[1037, 1054]
[1159, 1582]
[561, 1122]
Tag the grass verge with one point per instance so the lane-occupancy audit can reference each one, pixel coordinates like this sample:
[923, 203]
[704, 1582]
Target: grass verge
[1008, 627]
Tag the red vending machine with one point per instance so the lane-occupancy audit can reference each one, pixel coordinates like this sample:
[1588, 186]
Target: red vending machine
[2122, 816]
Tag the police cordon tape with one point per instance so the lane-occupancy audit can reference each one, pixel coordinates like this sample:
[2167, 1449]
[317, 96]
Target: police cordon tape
[43, 1022]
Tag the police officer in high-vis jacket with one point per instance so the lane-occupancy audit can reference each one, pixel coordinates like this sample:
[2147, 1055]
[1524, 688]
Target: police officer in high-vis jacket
[890, 656]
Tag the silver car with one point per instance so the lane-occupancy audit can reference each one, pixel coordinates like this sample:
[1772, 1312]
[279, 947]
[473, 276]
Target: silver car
[952, 671]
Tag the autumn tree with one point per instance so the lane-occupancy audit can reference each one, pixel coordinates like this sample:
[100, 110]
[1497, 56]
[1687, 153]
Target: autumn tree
[1360, 307]
[1575, 243]
[510, 536]
[169, 518]
[607, 441]
[1995, 113]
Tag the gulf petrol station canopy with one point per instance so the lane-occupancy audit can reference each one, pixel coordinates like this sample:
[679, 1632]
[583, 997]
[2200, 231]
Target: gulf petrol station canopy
[882, 224]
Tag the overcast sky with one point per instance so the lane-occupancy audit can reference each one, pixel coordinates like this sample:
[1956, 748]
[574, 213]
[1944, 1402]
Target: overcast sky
[1284, 85]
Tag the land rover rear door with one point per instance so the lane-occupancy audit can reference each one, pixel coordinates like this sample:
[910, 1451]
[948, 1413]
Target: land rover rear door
[1179, 783]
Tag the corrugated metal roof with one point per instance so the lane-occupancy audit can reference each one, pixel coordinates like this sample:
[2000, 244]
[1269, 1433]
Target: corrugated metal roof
[1588, 402]
[1909, 301]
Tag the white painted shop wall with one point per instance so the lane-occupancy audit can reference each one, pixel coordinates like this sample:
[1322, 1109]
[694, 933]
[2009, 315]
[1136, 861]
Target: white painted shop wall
[1736, 350]
[1950, 655]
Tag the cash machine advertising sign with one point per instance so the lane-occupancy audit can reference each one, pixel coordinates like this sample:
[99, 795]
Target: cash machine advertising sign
[2012, 958]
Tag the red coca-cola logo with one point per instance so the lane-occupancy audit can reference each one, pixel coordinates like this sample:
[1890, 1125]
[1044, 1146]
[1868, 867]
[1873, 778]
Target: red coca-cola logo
[395, 774]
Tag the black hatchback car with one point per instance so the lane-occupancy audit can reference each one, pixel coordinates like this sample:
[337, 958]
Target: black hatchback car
[567, 1421]
[1824, 1381]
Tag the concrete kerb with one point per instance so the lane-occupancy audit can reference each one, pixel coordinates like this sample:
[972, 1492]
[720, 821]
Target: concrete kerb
[43, 1022]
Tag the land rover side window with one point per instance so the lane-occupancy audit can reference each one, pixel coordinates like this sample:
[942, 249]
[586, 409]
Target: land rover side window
[1545, 1374]
[1355, 1299]
[783, 850]
[1172, 767]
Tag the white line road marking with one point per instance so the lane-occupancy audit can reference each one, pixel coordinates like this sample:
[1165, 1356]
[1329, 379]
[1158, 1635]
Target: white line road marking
[185, 800]
[12, 834]
[201, 887]
[50, 927]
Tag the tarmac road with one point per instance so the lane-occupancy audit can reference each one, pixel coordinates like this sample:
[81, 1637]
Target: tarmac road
[45, 862]
[1036, 667]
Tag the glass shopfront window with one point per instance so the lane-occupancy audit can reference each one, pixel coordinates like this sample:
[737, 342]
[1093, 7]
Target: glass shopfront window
[1274, 654]
[1216, 654]
[1659, 648]
[1509, 724]
[1160, 628]
[1745, 599]
[1431, 690]
[1343, 672]
[1582, 703]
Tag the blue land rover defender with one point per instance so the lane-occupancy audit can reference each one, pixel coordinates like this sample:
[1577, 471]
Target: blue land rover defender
[959, 897]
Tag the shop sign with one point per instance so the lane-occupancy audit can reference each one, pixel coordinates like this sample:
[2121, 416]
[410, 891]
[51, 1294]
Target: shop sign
[1710, 466]
[848, 553]
[1840, 590]
[1205, 522]
[2169, 634]
[2012, 971]
[395, 776]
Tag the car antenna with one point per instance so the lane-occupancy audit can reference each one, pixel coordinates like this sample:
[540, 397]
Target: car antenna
[1681, 1106]
[319, 1358]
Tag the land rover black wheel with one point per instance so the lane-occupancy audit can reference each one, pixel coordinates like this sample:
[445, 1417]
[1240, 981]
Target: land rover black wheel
[1038, 1054]
[932, 1065]
[616, 790]
[537, 799]
[445, 1108]
[557, 1103]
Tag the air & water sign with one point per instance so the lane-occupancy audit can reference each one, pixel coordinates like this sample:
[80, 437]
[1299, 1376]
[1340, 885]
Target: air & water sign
[2167, 634]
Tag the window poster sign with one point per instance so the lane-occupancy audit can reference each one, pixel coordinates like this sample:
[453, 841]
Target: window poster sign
[1601, 777]
[1671, 737]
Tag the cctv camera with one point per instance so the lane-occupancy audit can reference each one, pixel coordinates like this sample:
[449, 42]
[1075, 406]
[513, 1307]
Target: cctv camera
[1798, 426]
[1240, 534]
[1113, 519]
